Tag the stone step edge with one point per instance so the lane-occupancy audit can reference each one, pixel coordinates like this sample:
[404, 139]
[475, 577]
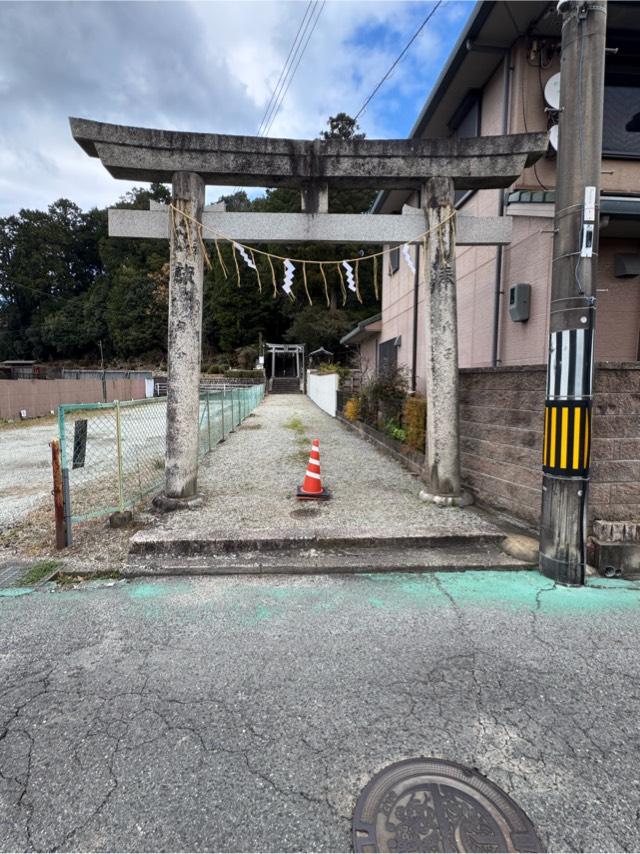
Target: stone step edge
[215, 545]
[135, 569]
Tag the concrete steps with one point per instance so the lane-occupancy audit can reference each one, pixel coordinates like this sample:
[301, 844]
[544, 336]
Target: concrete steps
[309, 555]
[285, 385]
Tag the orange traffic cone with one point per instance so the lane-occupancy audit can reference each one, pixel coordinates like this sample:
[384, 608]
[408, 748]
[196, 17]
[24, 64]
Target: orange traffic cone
[312, 485]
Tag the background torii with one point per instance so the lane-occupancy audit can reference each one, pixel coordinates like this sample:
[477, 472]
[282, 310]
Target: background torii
[189, 161]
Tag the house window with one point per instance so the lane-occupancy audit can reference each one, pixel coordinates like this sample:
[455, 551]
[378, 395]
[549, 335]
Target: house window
[621, 120]
[394, 260]
[464, 123]
[388, 355]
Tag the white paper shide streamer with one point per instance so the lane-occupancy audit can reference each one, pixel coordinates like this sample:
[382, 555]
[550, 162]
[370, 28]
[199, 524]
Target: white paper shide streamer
[408, 258]
[351, 282]
[289, 270]
[244, 254]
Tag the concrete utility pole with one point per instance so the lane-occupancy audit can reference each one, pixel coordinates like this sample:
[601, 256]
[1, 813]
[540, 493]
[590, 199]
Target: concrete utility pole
[442, 466]
[567, 435]
[184, 338]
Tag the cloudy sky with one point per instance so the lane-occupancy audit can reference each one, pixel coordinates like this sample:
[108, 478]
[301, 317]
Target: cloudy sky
[201, 66]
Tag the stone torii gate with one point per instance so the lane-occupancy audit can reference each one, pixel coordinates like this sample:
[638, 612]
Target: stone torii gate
[189, 161]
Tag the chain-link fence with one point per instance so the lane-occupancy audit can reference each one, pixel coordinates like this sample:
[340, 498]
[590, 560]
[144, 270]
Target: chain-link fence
[112, 454]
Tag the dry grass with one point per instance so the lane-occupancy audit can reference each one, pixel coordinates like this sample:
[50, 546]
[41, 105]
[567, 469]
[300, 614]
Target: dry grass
[28, 422]
[96, 546]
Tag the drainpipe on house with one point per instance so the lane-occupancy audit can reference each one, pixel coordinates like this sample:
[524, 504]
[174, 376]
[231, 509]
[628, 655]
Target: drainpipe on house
[416, 291]
[506, 89]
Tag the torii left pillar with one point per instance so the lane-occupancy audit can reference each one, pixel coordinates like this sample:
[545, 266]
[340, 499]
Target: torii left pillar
[184, 342]
[442, 459]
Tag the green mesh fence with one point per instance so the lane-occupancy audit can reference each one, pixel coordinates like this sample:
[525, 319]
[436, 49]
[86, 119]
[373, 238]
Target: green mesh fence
[113, 454]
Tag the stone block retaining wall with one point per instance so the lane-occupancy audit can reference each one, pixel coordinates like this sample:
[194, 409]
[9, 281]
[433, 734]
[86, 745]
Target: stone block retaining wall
[501, 421]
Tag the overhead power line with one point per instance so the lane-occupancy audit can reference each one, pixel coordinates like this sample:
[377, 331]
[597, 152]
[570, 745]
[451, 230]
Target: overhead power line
[287, 72]
[319, 7]
[284, 70]
[397, 60]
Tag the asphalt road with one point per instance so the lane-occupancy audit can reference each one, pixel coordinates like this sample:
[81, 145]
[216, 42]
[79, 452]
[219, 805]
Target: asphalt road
[225, 714]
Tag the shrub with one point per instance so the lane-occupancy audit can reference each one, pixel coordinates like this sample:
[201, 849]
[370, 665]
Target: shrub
[216, 369]
[382, 397]
[237, 373]
[352, 409]
[247, 357]
[331, 368]
[393, 429]
[414, 414]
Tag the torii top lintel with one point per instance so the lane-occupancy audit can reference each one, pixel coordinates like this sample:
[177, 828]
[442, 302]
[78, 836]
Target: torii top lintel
[143, 154]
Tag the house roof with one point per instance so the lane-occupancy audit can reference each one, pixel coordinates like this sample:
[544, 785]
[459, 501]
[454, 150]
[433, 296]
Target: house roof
[365, 329]
[492, 28]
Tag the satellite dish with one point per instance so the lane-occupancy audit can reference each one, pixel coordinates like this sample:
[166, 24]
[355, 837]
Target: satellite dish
[553, 137]
[552, 92]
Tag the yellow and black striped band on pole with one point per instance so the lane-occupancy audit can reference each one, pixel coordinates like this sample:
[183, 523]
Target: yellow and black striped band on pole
[567, 437]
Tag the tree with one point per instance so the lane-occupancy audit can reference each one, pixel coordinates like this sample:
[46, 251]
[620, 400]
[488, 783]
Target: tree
[138, 271]
[342, 126]
[316, 327]
[46, 259]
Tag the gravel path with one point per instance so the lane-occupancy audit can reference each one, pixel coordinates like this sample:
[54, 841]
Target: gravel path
[249, 484]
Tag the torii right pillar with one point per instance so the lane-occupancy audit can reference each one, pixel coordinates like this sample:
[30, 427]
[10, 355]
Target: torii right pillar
[441, 473]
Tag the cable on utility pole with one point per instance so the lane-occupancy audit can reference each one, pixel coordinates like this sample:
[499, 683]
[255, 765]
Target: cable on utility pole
[567, 424]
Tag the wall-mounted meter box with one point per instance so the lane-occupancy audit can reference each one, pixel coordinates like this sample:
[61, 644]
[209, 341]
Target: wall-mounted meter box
[519, 302]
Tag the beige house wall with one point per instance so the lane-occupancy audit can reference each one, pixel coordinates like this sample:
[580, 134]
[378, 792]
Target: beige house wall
[476, 271]
[398, 312]
[369, 356]
[526, 259]
[528, 114]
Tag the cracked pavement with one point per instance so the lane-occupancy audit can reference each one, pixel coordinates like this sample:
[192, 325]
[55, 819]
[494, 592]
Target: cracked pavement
[247, 714]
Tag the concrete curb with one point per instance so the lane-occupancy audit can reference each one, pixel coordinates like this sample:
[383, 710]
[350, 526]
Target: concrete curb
[184, 546]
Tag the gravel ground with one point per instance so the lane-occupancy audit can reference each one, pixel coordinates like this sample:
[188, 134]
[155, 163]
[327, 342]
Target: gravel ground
[25, 470]
[248, 714]
[249, 485]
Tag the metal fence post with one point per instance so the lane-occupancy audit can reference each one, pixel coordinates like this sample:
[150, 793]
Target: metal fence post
[66, 496]
[208, 422]
[233, 420]
[222, 414]
[119, 455]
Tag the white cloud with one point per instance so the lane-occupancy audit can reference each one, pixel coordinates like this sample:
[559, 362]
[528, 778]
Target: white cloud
[204, 66]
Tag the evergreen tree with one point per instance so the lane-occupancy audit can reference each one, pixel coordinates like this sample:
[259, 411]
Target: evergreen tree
[66, 287]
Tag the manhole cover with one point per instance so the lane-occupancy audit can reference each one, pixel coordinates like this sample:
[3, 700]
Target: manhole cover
[430, 805]
[305, 513]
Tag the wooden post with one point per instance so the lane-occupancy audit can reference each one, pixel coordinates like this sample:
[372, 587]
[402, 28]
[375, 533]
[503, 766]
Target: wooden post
[58, 495]
[442, 466]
